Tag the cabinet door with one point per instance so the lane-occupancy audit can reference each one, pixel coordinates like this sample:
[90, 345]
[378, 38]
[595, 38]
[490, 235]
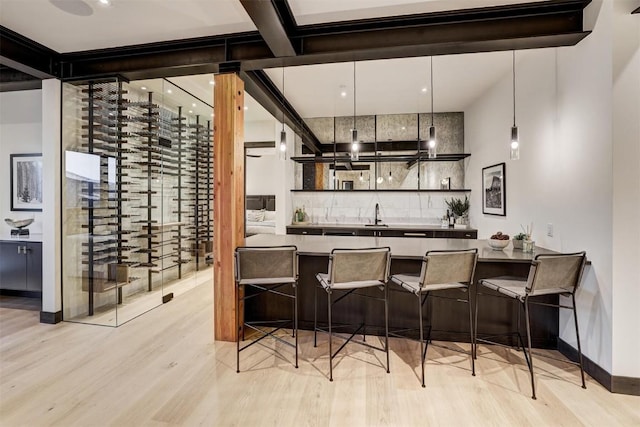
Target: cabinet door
[34, 267]
[12, 266]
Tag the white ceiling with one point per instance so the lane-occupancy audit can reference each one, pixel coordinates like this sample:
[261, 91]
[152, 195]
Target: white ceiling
[124, 22]
[319, 11]
[392, 86]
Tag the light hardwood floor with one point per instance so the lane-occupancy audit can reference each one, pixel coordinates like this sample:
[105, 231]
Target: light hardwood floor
[164, 368]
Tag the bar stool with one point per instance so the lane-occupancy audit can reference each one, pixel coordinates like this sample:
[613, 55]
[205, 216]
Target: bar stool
[552, 274]
[266, 269]
[441, 270]
[349, 271]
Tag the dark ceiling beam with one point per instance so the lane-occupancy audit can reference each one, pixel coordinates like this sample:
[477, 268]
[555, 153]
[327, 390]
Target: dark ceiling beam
[12, 80]
[261, 88]
[267, 20]
[369, 147]
[550, 23]
[636, 10]
[25, 55]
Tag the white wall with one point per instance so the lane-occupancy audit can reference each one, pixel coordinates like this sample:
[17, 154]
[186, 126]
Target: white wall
[261, 176]
[259, 130]
[565, 176]
[20, 132]
[626, 189]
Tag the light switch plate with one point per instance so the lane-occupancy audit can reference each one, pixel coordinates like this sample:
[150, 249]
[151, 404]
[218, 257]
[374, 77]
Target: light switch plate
[549, 229]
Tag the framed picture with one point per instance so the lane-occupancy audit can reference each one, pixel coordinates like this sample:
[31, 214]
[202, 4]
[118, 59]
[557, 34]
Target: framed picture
[347, 185]
[26, 182]
[494, 190]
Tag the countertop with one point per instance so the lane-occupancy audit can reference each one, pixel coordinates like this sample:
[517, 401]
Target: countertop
[416, 227]
[33, 237]
[400, 247]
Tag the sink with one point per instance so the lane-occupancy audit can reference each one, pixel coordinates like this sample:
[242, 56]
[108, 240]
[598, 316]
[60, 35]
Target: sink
[376, 225]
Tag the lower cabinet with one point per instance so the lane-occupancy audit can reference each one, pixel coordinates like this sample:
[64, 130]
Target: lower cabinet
[21, 266]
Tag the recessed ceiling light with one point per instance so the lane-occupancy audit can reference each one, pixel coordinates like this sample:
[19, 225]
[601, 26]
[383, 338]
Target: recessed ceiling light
[193, 105]
[169, 91]
[246, 108]
[105, 2]
[424, 90]
[190, 111]
[211, 114]
[211, 82]
[343, 94]
[143, 87]
[404, 128]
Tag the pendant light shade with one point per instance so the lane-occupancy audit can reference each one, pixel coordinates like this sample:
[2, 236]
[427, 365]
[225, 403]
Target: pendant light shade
[432, 143]
[355, 146]
[282, 153]
[514, 147]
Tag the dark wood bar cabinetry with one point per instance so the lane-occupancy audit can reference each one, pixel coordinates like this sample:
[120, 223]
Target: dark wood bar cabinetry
[415, 231]
[21, 265]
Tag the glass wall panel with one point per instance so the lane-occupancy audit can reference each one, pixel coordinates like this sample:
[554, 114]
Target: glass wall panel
[137, 197]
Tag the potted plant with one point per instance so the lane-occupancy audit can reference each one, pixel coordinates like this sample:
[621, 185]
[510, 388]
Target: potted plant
[518, 239]
[460, 210]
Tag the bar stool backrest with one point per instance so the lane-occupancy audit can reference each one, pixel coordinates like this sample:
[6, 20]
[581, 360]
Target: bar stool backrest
[354, 265]
[440, 267]
[556, 272]
[269, 264]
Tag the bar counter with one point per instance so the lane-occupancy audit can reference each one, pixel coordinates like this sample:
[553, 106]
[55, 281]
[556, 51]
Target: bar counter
[449, 319]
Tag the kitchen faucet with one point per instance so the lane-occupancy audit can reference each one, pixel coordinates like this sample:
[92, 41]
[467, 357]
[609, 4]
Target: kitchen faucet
[377, 220]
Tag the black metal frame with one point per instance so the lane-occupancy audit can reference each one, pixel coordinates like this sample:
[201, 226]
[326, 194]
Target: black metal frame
[524, 303]
[362, 325]
[424, 343]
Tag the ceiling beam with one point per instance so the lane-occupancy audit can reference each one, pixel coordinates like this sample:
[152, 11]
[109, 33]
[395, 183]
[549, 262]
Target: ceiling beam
[266, 18]
[25, 55]
[261, 88]
[369, 147]
[550, 23]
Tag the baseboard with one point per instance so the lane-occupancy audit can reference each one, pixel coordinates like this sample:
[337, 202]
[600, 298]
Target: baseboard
[615, 384]
[50, 318]
[24, 294]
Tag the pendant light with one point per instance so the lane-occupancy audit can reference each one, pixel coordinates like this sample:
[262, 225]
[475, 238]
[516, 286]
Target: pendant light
[361, 176]
[514, 151]
[283, 134]
[431, 145]
[355, 152]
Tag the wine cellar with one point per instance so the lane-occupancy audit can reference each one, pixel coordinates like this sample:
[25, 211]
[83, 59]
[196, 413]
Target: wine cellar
[139, 198]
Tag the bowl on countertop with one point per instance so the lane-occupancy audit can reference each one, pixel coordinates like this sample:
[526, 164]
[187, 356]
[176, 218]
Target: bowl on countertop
[498, 245]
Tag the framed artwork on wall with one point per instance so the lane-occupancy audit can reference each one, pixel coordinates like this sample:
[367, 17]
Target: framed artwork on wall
[26, 182]
[494, 190]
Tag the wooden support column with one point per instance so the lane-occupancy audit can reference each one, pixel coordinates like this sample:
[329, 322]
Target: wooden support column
[319, 176]
[228, 213]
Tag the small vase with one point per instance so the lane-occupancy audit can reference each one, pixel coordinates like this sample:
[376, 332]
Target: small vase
[528, 246]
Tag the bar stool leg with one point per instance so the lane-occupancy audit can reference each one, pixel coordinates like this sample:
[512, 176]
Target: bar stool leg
[475, 330]
[330, 336]
[315, 316]
[533, 384]
[575, 317]
[472, 352]
[386, 323]
[295, 317]
[238, 329]
[422, 352]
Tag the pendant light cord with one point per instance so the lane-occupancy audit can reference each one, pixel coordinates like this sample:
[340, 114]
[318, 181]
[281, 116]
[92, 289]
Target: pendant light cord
[283, 98]
[431, 90]
[513, 68]
[354, 94]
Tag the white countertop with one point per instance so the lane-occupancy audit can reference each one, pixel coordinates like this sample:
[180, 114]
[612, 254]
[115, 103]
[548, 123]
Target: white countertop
[413, 248]
[33, 237]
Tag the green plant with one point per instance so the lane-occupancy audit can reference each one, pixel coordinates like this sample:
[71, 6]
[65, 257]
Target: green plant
[520, 236]
[458, 206]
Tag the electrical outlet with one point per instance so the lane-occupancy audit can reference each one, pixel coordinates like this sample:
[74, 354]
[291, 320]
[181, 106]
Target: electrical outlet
[549, 229]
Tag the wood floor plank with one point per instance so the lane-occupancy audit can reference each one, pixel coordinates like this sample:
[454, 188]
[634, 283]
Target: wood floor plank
[164, 369]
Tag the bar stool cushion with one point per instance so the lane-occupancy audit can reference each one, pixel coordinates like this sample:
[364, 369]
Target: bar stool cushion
[517, 288]
[324, 280]
[412, 284]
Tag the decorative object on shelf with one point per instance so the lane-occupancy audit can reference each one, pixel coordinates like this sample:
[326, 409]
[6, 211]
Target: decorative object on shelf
[300, 217]
[494, 190]
[445, 183]
[283, 135]
[514, 151]
[26, 182]
[460, 211]
[355, 149]
[518, 239]
[19, 226]
[499, 241]
[431, 144]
